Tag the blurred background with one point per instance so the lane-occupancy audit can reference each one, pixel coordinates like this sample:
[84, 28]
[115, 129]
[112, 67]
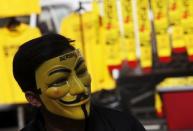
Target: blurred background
[139, 54]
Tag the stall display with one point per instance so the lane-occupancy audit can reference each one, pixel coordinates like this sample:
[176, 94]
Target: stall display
[13, 33]
[161, 24]
[84, 26]
[145, 35]
[13, 38]
[128, 47]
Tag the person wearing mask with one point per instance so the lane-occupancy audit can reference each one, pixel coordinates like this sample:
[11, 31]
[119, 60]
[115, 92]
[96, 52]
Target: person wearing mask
[54, 77]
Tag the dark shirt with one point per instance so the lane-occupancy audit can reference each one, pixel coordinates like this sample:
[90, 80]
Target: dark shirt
[100, 119]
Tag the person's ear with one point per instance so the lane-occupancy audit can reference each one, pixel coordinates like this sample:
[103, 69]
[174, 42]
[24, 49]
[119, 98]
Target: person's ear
[32, 99]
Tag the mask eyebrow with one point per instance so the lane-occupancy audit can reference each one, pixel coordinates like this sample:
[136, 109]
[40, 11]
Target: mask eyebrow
[80, 61]
[65, 70]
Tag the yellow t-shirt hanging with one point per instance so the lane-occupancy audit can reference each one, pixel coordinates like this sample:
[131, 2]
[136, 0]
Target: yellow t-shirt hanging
[128, 46]
[175, 10]
[189, 45]
[112, 36]
[145, 35]
[12, 40]
[93, 48]
[70, 27]
[10, 8]
[178, 41]
[6, 96]
[161, 24]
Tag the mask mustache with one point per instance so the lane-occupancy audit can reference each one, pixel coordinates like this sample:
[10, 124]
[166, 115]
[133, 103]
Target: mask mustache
[79, 98]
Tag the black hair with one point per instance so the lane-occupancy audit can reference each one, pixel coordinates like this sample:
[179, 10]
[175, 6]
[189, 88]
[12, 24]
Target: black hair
[35, 52]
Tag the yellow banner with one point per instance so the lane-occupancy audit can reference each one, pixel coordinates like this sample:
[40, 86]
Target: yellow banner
[11, 8]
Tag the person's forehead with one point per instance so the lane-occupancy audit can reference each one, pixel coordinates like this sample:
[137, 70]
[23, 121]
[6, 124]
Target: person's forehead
[69, 55]
[67, 60]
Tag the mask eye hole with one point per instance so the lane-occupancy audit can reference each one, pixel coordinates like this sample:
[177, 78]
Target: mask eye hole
[81, 71]
[80, 67]
[58, 82]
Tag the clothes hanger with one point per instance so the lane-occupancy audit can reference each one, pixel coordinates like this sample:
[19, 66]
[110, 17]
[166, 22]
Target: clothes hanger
[80, 9]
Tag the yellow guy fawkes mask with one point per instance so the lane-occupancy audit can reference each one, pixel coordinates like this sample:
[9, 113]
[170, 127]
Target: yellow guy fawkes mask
[65, 85]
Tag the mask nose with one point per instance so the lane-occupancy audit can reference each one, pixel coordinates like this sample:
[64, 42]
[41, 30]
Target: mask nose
[76, 86]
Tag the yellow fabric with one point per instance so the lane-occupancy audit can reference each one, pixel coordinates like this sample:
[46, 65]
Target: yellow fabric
[144, 33]
[163, 45]
[187, 25]
[178, 37]
[112, 36]
[128, 47]
[6, 96]
[10, 8]
[93, 51]
[158, 104]
[175, 11]
[12, 40]
[146, 55]
[160, 11]
[70, 28]
[93, 45]
[112, 46]
[107, 82]
[161, 23]
[110, 17]
[189, 44]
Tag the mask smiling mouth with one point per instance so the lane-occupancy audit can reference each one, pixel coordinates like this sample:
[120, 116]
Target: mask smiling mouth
[80, 99]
